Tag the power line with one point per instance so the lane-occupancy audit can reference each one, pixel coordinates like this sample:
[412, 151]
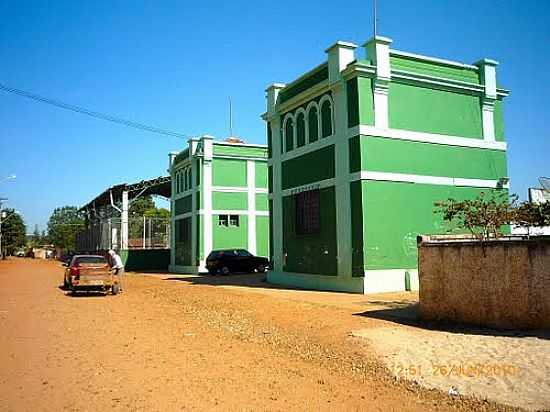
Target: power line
[97, 115]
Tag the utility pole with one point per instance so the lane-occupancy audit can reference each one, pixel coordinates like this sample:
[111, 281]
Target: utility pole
[2, 199]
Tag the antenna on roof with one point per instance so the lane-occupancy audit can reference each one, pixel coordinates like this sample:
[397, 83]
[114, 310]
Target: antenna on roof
[374, 16]
[230, 117]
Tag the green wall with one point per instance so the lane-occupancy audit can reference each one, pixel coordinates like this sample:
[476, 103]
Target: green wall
[261, 174]
[236, 150]
[183, 205]
[311, 253]
[261, 202]
[229, 172]
[229, 201]
[145, 259]
[360, 101]
[224, 237]
[499, 121]
[401, 156]
[262, 236]
[434, 111]
[395, 213]
[320, 166]
[183, 241]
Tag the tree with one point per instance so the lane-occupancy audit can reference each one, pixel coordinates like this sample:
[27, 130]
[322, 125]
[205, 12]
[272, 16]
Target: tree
[63, 225]
[13, 232]
[487, 216]
[141, 205]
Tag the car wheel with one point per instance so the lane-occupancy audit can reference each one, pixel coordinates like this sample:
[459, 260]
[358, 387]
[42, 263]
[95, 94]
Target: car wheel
[115, 289]
[225, 270]
[260, 268]
[213, 272]
[65, 284]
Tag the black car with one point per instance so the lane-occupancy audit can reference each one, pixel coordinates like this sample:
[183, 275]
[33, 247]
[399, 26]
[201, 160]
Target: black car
[234, 260]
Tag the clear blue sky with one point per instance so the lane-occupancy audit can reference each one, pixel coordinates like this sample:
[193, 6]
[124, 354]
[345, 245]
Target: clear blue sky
[173, 64]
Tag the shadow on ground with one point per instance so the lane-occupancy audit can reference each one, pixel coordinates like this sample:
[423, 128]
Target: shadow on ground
[249, 280]
[407, 313]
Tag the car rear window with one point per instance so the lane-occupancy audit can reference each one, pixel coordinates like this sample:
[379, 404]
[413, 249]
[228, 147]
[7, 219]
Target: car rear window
[90, 260]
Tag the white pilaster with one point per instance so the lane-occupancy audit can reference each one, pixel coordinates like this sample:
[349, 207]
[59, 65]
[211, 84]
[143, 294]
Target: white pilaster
[251, 184]
[378, 51]
[277, 211]
[339, 56]
[194, 168]
[124, 221]
[487, 71]
[208, 152]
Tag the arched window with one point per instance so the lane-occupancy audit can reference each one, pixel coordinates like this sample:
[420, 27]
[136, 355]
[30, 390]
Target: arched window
[289, 133]
[300, 129]
[326, 118]
[178, 179]
[313, 124]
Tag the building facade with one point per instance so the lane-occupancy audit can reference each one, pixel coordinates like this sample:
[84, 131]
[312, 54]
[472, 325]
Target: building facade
[219, 200]
[360, 149]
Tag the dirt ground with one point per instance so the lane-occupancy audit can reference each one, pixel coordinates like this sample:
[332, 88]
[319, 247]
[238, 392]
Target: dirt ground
[193, 344]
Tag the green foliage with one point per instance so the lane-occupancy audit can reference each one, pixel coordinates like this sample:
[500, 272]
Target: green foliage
[486, 216]
[63, 225]
[141, 205]
[13, 232]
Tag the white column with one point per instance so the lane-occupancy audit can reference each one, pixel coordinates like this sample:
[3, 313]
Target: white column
[487, 71]
[378, 51]
[339, 56]
[208, 152]
[194, 167]
[124, 222]
[251, 186]
[277, 200]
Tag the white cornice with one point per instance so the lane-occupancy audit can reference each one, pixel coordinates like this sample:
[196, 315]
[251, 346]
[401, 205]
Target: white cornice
[301, 98]
[435, 138]
[410, 77]
[260, 146]
[433, 60]
[424, 179]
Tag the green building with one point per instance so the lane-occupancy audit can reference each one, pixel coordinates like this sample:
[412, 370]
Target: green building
[359, 151]
[219, 200]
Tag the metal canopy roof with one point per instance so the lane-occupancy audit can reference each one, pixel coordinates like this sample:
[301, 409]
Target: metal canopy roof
[161, 186]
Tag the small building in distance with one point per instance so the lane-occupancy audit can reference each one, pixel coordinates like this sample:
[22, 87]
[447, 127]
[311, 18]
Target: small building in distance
[360, 150]
[219, 200]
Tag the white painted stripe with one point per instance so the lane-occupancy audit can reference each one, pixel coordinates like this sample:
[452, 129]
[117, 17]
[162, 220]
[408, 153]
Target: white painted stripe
[310, 186]
[207, 194]
[424, 179]
[234, 212]
[251, 196]
[231, 189]
[425, 137]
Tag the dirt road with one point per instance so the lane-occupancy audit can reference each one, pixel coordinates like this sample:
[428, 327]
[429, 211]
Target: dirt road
[178, 345]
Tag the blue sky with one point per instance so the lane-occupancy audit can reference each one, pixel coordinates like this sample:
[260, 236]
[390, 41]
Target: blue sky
[173, 65]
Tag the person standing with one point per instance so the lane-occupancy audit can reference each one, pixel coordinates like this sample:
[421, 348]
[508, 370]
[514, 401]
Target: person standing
[118, 268]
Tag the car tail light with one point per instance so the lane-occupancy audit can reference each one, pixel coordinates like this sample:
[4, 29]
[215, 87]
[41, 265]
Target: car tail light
[75, 271]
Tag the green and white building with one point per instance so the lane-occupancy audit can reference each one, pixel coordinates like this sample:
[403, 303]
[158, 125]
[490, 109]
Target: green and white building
[219, 200]
[359, 151]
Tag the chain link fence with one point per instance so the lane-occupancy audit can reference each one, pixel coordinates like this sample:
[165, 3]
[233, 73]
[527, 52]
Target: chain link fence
[143, 233]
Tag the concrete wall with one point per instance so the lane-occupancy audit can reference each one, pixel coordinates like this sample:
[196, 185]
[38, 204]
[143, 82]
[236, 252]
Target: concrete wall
[503, 283]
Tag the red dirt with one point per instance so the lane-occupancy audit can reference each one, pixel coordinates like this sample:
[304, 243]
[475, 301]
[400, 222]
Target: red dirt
[173, 345]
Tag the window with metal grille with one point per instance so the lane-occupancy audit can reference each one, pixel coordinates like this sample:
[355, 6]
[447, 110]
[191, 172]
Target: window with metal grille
[234, 220]
[308, 212]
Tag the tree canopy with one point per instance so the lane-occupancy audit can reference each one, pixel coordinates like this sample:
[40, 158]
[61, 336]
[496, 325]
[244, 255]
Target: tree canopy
[487, 215]
[63, 225]
[13, 231]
